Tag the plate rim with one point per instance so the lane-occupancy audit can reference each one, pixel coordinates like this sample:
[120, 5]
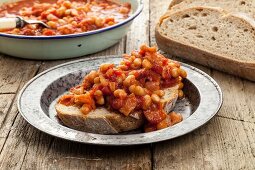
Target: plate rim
[91, 135]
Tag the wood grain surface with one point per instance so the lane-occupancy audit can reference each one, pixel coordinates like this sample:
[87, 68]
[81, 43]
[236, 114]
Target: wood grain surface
[226, 142]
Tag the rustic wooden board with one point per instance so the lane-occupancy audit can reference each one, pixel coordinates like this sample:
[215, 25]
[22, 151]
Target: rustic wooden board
[221, 144]
[14, 71]
[239, 102]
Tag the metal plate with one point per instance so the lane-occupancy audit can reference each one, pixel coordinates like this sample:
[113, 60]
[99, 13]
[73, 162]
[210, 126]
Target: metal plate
[37, 99]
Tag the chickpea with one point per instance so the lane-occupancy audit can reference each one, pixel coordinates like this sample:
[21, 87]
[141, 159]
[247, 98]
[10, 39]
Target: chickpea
[147, 101]
[180, 86]
[180, 94]
[92, 75]
[152, 49]
[97, 80]
[61, 22]
[98, 93]
[132, 58]
[61, 11]
[155, 98]
[51, 17]
[74, 23]
[171, 64]
[124, 10]
[133, 72]
[74, 12]
[183, 73]
[119, 80]
[174, 72]
[100, 100]
[120, 93]
[86, 8]
[99, 22]
[85, 109]
[67, 4]
[103, 81]
[122, 62]
[112, 86]
[179, 79]
[138, 62]
[139, 91]
[109, 72]
[132, 88]
[52, 24]
[160, 93]
[146, 64]
[111, 23]
[104, 67]
[129, 80]
[123, 67]
[67, 12]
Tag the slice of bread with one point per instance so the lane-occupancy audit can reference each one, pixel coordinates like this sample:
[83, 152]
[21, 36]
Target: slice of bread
[103, 121]
[212, 37]
[245, 6]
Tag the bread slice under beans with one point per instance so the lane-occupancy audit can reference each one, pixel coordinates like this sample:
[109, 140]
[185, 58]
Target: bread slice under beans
[245, 6]
[103, 121]
[212, 37]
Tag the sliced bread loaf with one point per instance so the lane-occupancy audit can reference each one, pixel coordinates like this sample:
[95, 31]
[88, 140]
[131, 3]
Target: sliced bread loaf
[212, 37]
[245, 6]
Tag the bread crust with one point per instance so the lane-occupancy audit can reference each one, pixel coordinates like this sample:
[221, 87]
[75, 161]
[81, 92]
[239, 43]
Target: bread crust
[103, 121]
[204, 57]
[174, 2]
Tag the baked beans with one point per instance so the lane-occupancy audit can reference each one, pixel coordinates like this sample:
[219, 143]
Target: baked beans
[137, 84]
[65, 16]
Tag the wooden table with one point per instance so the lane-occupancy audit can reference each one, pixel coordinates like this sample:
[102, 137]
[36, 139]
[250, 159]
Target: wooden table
[226, 142]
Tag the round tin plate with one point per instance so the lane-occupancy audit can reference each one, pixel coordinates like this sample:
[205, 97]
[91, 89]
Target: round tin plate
[37, 99]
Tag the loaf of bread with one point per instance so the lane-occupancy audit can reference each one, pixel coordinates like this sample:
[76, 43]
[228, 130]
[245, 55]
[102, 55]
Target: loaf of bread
[212, 37]
[245, 6]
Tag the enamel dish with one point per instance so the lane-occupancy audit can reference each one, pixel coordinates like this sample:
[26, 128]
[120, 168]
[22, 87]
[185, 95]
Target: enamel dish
[67, 46]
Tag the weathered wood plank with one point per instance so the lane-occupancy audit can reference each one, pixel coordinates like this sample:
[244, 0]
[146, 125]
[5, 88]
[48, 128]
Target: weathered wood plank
[221, 144]
[16, 144]
[13, 71]
[140, 30]
[6, 100]
[68, 155]
[238, 97]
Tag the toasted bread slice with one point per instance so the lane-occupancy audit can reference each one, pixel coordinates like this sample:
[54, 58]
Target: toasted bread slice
[103, 121]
